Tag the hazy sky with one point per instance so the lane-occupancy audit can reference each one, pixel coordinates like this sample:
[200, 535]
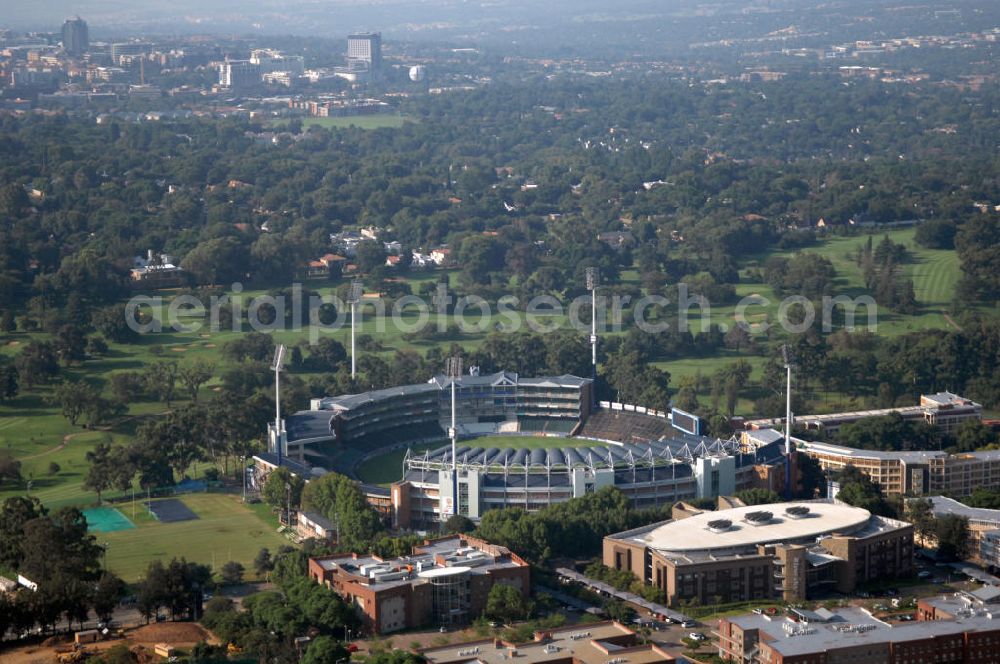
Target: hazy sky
[566, 27]
[318, 16]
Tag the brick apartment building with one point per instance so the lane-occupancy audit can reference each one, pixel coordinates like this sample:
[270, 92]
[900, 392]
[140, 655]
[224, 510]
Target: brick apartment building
[443, 582]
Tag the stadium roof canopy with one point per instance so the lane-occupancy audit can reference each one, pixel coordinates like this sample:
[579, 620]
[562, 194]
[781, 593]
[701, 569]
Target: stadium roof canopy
[683, 449]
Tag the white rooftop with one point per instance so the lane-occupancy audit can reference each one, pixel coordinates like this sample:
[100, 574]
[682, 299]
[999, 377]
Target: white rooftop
[695, 534]
[438, 572]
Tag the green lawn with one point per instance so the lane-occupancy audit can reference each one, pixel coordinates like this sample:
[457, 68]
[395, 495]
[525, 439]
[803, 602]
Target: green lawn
[225, 530]
[934, 273]
[387, 468]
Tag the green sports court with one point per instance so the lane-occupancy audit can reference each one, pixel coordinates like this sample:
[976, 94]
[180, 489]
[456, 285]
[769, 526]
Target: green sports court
[106, 520]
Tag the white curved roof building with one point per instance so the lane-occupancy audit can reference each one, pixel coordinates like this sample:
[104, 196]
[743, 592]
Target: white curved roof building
[742, 527]
[778, 551]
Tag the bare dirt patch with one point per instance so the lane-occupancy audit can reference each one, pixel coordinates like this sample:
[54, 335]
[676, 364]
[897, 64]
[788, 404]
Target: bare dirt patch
[181, 635]
[176, 634]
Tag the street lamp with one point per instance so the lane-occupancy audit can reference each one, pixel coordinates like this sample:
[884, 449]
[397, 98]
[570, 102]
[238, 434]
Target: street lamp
[786, 357]
[353, 297]
[454, 369]
[279, 360]
[593, 278]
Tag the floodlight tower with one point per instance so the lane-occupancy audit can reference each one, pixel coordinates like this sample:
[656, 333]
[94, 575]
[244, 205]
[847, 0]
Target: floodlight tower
[593, 278]
[454, 372]
[353, 297]
[279, 360]
[786, 357]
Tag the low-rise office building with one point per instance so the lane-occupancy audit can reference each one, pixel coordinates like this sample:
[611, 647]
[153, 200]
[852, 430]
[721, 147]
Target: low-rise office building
[852, 634]
[944, 410]
[912, 473]
[782, 551]
[444, 582]
[984, 527]
[596, 643]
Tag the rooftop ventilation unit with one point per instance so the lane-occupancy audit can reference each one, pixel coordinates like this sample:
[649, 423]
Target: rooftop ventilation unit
[759, 518]
[797, 511]
[720, 525]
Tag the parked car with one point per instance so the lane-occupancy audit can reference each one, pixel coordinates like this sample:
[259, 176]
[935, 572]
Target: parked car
[352, 647]
[688, 624]
[923, 574]
[697, 636]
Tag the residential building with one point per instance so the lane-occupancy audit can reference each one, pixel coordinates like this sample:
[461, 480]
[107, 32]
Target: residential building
[152, 277]
[782, 551]
[595, 643]
[441, 255]
[75, 36]
[444, 582]
[328, 265]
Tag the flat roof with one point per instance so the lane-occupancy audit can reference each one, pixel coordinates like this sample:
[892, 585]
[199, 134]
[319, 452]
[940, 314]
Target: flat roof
[706, 532]
[596, 643]
[439, 572]
[841, 450]
[851, 627]
[942, 506]
[928, 403]
[434, 559]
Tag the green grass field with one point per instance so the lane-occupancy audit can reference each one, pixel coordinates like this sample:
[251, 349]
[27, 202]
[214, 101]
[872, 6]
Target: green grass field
[934, 273]
[387, 468]
[225, 530]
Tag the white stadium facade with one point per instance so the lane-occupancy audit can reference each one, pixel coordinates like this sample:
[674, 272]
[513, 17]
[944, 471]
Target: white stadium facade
[653, 457]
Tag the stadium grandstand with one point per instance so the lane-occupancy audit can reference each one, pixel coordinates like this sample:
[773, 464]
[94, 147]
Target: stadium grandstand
[495, 403]
[626, 426]
[654, 457]
[652, 473]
